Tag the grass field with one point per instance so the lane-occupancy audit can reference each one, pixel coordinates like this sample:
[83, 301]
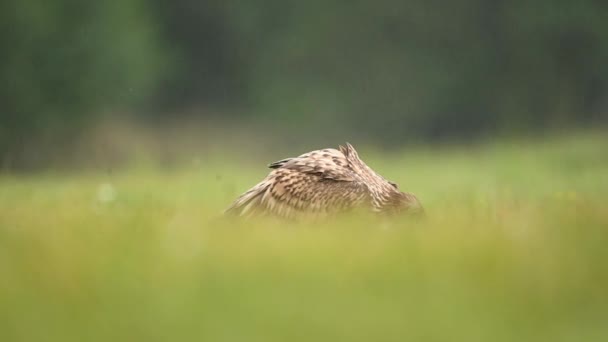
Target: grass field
[514, 248]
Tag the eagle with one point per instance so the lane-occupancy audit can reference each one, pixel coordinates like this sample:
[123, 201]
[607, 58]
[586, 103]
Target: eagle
[322, 183]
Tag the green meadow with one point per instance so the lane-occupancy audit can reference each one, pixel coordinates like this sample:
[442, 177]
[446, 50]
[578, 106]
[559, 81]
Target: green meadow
[514, 248]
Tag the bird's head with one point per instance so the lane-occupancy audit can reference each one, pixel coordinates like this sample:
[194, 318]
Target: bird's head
[410, 204]
[386, 196]
[403, 202]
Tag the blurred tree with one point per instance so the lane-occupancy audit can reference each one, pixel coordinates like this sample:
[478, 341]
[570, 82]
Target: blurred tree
[64, 61]
[425, 69]
[207, 66]
[387, 70]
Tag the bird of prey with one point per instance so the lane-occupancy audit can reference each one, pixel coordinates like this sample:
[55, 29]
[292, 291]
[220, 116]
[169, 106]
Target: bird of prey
[321, 183]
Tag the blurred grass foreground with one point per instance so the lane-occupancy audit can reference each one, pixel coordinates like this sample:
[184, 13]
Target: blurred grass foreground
[514, 249]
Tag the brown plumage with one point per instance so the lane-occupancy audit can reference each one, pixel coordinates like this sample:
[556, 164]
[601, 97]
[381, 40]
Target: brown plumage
[320, 183]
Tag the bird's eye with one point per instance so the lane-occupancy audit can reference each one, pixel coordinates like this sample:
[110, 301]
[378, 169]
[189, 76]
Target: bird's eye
[394, 185]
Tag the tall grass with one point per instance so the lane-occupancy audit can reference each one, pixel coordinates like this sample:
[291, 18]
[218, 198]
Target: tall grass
[513, 249]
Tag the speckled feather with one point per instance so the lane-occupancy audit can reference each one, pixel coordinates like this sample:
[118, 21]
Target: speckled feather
[321, 183]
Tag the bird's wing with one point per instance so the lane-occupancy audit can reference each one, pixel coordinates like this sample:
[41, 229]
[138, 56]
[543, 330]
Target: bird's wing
[292, 193]
[318, 183]
[328, 164]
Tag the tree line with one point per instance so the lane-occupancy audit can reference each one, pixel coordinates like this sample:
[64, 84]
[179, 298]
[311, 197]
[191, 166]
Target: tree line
[394, 69]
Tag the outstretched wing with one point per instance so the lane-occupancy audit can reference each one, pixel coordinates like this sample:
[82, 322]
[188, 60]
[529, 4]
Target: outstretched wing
[319, 183]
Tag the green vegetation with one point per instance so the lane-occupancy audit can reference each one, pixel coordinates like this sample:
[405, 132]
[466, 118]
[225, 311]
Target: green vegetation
[65, 62]
[513, 249]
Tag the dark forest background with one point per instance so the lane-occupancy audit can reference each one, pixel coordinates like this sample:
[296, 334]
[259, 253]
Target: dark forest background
[389, 71]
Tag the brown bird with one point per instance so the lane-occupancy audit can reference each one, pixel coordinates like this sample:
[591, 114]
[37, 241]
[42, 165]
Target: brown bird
[321, 183]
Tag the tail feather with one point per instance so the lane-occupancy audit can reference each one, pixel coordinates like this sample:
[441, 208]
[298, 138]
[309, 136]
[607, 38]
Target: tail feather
[249, 201]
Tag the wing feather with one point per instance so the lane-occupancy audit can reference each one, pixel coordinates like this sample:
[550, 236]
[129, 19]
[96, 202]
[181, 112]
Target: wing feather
[328, 163]
[293, 193]
[249, 202]
[319, 183]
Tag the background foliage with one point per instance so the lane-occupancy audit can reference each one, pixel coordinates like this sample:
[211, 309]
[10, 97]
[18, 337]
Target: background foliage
[392, 71]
